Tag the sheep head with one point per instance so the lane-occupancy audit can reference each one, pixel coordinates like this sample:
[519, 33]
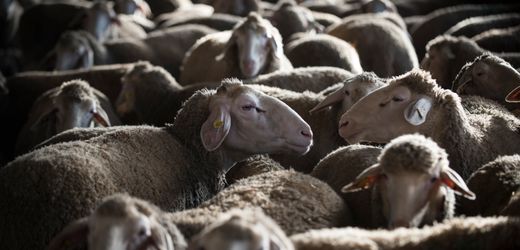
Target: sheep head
[401, 107]
[248, 229]
[289, 19]
[120, 222]
[254, 44]
[73, 51]
[444, 53]
[351, 91]
[246, 120]
[98, 19]
[73, 105]
[131, 7]
[413, 176]
[488, 76]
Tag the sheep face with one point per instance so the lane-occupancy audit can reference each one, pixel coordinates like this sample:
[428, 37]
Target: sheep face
[98, 20]
[246, 120]
[116, 226]
[490, 77]
[257, 44]
[384, 114]
[75, 105]
[73, 52]
[352, 91]
[413, 178]
[436, 60]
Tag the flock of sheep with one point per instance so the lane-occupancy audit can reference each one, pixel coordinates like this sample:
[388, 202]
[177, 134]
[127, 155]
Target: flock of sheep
[249, 124]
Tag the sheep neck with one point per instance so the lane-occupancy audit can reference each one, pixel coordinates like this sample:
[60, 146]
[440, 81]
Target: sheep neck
[451, 129]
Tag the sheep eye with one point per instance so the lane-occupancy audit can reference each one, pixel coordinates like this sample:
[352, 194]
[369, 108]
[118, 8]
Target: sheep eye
[397, 99]
[383, 177]
[347, 93]
[259, 110]
[248, 107]
[433, 179]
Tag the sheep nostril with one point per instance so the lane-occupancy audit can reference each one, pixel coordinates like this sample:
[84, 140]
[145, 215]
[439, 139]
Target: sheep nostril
[307, 134]
[344, 124]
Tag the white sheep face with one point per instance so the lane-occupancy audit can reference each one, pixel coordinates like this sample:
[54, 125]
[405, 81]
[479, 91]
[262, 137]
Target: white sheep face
[406, 196]
[254, 49]
[384, 114]
[119, 233]
[249, 121]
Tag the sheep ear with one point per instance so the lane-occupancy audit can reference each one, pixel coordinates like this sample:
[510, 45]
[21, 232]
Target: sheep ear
[364, 180]
[229, 45]
[513, 96]
[72, 235]
[275, 40]
[101, 117]
[331, 99]
[452, 179]
[417, 111]
[216, 127]
[161, 240]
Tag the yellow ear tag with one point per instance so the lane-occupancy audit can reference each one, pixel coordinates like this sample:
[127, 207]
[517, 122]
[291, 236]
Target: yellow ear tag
[218, 124]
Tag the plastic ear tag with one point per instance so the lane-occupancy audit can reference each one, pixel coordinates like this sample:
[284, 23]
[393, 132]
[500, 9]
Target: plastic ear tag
[218, 123]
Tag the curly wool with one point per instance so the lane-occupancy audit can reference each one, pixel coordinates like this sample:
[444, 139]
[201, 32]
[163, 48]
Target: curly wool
[412, 153]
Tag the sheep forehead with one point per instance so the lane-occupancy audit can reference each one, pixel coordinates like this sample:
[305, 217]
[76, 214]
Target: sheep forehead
[76, 90]
[413, 153]
[417, 81]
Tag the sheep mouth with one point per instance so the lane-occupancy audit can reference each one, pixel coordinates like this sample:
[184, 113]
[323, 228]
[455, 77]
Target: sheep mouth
[300, 148]
[350, 135]
[460, 88]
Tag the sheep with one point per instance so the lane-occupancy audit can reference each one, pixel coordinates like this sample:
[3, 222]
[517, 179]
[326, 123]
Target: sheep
[296, 201]
[414, 184]
[133, 7]
[67, 179]
[121, 221]
[244, 229]
[31, 28]
[382, 46]
[24, 89]
[488, 76]
[253, 47]
[475, 25]
[331, 169]
[254, 165]
[314, 108]
[323, 50]
[447, 55]
[458, 233]
[150, 95]
[236, 7]
[73, 104]
[325, 19]
[439, 21]
[218, 21]
[165, 48]
[389, 16]
[499, 40]
[414, 103]
[289, 19]
[494, 184]
[314, 79]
